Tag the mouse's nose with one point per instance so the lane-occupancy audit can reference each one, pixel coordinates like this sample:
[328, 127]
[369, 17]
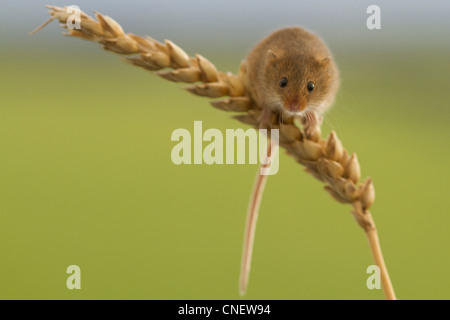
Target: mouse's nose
[297, 106]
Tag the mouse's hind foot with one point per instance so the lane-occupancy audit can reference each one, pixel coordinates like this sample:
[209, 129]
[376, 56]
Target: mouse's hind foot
[266, 119]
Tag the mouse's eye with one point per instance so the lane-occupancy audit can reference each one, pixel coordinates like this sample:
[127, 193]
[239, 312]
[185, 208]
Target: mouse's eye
[310, 86]
[283, 82]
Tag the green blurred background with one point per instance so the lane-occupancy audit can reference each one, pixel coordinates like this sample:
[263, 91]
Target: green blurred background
[86, 176]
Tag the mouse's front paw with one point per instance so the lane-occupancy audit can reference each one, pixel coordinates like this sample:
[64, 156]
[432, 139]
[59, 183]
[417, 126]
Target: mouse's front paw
[310, 122]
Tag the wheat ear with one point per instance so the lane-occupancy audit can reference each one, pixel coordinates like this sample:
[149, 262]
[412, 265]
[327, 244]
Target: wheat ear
[325, 159]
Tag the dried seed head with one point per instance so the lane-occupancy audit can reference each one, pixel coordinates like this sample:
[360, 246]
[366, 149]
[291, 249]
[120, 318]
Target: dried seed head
[208, 69]
[188, 75]
[350, 190]
[178, 56]
[91, 27]
[221, 104]
[238, 104]
[335, 195]
[334, 168]
[344, 159]
[59, 13]
[353, 170]
[314, 173]
[212, 90]
[322, 169]
[145, 45]
[140, 62]
[296, 149]
[289, 132]
[334, 147]
[246, 119]
[110, 26]
[312, 149]
[326, 160]
[339, 184]
[158, 45]
[367, 194]
[79, 34]
[235, 85]
[122, 45]
[158, 58]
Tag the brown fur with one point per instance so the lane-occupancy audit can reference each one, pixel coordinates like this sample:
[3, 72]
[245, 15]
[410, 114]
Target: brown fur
[300, 56]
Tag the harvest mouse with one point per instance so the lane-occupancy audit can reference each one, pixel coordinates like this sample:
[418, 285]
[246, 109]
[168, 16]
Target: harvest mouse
[291, 73]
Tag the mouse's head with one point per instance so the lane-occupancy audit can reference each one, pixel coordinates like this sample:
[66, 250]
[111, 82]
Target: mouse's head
[300, 82]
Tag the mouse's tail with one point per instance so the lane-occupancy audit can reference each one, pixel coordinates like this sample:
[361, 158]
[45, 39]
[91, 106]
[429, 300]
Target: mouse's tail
[252, 217]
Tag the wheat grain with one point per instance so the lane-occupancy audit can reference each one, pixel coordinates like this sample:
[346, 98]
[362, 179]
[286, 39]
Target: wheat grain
[326, 160]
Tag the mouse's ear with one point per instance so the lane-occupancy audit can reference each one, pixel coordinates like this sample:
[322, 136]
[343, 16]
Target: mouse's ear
[325, 61]
[271, 56]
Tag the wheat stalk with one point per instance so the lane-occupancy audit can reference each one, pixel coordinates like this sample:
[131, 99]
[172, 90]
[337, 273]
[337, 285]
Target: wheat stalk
[325, 159]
